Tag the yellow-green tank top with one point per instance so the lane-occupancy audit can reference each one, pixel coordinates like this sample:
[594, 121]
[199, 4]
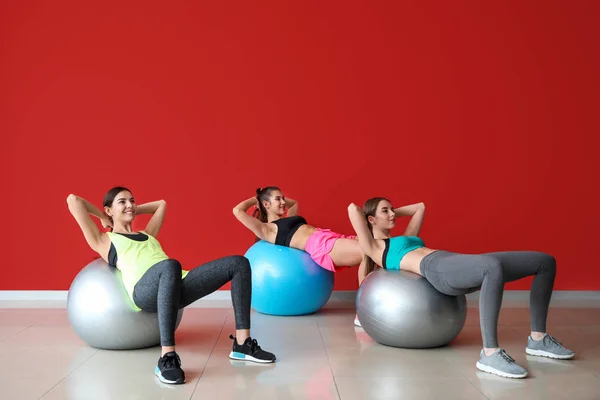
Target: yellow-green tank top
[135, 257]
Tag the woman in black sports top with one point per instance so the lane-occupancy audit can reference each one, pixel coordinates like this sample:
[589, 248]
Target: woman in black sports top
[328, 249]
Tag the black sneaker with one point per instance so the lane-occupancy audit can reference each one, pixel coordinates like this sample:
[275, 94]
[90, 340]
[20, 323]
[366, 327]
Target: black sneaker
[169, 369]
[250, 351]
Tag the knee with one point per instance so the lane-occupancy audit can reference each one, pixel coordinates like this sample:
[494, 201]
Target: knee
[240, 264]
[173, 267]
[493, 269]
[548, 264]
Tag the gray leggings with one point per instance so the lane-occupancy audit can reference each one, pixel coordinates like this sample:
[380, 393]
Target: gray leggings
[161, 290]
[457, 274]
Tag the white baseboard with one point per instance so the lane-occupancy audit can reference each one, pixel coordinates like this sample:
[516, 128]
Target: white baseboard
[33, 295]
[58, 298]
[61, 295]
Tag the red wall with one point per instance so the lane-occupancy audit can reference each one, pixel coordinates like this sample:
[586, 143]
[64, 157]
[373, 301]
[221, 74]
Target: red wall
[486, 111]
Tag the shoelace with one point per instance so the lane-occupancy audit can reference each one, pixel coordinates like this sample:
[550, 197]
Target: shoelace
[254, 346]
[553, 340]
[172, 361]
[506, 357]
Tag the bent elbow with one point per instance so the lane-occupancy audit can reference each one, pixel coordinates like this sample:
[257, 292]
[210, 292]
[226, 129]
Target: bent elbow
[71, 199]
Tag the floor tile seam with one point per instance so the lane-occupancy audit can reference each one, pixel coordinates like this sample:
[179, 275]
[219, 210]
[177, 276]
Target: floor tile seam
[69, 374]
[16, 333]
[209, 356]
[329, 361]
[449, 360]
[472, 384]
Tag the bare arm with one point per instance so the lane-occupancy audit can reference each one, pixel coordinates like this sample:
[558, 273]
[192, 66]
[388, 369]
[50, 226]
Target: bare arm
[240, 211]
[371, 247]
[362, 271]
[408, 211]
[81, 210]
[158, 210]
[292, 206]
[417, 214]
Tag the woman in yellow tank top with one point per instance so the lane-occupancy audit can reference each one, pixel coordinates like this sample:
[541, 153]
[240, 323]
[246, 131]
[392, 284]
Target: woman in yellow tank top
[157, 283]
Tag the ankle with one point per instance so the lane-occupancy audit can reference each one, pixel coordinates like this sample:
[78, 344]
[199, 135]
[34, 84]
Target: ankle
[488, 351]
[537, 335]
[167, 349]
[241, 335]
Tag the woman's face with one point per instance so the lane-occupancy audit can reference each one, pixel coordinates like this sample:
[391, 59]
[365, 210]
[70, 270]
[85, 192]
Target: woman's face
[384, 217]
[123, 208]
[276, 203]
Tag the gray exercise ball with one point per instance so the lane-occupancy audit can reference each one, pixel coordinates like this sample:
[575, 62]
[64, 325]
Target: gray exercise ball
[102, 314]
[402, 309]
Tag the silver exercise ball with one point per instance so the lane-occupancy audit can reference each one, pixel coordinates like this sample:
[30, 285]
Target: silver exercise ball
[102, 314]
[402, 309]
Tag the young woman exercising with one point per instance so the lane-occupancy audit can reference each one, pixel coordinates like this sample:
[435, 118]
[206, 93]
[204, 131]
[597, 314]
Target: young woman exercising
[457, 274]
[157, 283]
[328, 249]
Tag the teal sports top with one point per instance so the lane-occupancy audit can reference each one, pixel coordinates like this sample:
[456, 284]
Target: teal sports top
[397, 247]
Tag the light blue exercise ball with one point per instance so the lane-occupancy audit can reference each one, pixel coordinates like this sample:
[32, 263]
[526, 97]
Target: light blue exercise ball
[287, 281]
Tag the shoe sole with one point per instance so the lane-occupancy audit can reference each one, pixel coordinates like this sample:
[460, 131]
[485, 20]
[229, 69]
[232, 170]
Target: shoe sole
[164, 380]
[542, 353]
[491, 370]
[234, 355]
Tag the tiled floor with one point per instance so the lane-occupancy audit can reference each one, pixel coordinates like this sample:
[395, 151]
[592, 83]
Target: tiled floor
[321, 356]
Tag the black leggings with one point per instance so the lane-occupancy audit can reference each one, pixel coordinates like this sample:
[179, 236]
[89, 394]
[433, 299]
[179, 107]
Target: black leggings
[161, 290]
[457, 274]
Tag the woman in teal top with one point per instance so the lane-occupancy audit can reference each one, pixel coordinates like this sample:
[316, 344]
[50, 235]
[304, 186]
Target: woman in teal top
[157, 283]
[456, 274]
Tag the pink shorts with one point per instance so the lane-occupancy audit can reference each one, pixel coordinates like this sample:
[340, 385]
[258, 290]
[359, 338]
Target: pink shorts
[319, 245]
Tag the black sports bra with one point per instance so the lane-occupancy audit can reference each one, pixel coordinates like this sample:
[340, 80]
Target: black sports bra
[286, 227]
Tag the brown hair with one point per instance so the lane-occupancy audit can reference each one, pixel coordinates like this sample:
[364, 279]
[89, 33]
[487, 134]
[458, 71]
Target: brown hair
[110, 196]
[369, 210]
[263, 194]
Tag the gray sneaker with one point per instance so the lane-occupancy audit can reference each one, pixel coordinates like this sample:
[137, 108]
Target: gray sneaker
[501, 364]
[548, 346]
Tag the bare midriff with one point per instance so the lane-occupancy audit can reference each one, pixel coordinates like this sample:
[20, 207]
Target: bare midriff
[412, 260]
[301, 236]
